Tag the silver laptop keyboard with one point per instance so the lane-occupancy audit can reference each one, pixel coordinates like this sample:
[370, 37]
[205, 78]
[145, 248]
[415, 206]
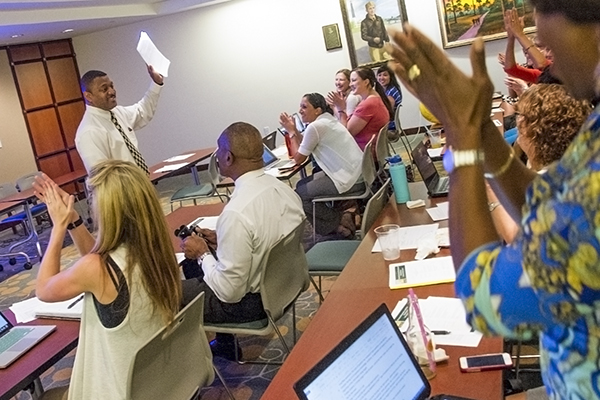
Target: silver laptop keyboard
[12, 337]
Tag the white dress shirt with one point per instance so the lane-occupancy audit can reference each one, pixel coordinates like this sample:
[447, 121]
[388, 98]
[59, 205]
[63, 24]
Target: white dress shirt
[262, 210]
[98, 139]
[334, 149]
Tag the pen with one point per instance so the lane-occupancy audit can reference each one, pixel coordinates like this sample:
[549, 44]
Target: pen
[75, 302]
[441, 332]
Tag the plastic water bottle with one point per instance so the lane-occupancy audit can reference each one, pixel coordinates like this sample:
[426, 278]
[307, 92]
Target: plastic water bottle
[399, 181]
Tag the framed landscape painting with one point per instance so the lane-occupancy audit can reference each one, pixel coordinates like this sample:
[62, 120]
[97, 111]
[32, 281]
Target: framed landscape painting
[365, 23]
[461, 21]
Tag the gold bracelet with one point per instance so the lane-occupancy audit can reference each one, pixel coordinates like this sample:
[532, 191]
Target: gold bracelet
[502, 170]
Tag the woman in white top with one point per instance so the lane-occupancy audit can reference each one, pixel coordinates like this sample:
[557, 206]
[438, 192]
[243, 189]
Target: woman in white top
[128, 275]
[337, 154]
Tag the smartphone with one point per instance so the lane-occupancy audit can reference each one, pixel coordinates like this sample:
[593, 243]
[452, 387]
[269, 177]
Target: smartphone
[485, 362]
[282, 130]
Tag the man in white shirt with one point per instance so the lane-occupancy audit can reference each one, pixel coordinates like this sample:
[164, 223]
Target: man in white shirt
[262, 210]
[107, 131]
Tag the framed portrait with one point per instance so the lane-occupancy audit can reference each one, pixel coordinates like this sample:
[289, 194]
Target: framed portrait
[331, 35]
[461, 21]
[365, 23]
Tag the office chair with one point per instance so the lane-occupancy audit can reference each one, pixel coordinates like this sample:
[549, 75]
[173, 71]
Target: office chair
[26, 182]
[202, 191]
[176, 362]
[283, 278]
[329, 258]
[368, 175]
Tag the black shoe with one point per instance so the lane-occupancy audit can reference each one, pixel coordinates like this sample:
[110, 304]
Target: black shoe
[224, 346]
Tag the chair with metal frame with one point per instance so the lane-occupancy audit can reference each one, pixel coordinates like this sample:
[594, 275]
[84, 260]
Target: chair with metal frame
[202, 191]
[368, 175]
[176, 362]
[283, 278]
[26, 182]
[329, 258]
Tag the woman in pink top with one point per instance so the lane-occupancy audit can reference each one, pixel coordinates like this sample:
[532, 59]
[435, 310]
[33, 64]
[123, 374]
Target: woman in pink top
[372, 113]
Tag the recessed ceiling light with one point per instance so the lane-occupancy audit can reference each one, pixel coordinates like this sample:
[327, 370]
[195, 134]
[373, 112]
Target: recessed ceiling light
[67, 30]
[16, 36]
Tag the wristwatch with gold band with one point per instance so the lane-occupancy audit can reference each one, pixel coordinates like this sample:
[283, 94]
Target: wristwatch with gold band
[454, 159]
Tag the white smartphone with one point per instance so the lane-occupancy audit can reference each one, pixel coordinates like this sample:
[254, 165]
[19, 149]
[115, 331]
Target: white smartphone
[485, 362]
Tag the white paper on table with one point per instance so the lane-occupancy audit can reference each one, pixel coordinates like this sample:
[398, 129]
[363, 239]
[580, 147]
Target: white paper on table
[431, 271]
[24, 310]
[280, 152]
[437, 152]
[448, 314]
[440, 212]
[205, 222]
[442, 236]
[274, 172]
[410, 236]
[179, 158]
[171, 167]
[152, 56]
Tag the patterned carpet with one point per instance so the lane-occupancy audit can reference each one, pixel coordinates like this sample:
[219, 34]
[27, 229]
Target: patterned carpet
[246, 381]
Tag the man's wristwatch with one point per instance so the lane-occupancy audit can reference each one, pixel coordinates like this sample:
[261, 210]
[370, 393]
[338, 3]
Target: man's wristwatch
[454, 159]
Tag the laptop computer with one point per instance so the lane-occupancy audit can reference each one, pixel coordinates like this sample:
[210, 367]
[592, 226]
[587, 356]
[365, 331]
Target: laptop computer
[372, 362]
[270, 140]
[272, 161]
[16, 340]
[437, 186]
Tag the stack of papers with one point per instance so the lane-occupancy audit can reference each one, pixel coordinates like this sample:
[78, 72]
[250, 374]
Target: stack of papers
[411, 236]
[431, 271]
[447, 316]
[33, 308]
[440, 212]
[171, 167]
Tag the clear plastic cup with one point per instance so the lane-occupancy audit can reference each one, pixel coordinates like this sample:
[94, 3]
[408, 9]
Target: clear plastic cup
[435, 138]
[389, 240]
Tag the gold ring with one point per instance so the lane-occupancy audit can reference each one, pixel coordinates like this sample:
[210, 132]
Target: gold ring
[413, 72]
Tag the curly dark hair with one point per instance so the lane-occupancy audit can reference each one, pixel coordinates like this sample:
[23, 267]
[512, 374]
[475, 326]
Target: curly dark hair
[550, 119]
[578, 11]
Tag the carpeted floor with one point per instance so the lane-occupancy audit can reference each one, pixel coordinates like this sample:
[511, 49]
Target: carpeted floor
[246, 381]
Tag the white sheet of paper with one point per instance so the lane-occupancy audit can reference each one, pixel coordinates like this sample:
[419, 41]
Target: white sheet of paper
[179, 158]
[448, 314]
[273, 172]
[443, 237]
[205, 222]
[431, 271]
[280, 151]
[25, 310]
[152, 56]
[435, 152]
[410, 236]
[171, 167]
[440, 212]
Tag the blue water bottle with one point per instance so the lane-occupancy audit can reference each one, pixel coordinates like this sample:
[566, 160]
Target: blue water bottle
[399, 180]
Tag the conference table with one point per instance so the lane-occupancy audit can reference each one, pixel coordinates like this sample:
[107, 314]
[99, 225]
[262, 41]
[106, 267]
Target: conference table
[25, 371]
[176, 164]
[359, 290]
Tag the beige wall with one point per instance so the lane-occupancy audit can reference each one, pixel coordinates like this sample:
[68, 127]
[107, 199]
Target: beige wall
[16, 155]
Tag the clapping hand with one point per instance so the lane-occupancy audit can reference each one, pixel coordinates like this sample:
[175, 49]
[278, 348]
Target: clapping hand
[59, 202]
[287, 121]
[461, 103]
[337, 100]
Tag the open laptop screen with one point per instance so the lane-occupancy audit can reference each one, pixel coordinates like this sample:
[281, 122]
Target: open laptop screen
[268, 156]
[4, 324]
[373, 362]
[424, 163]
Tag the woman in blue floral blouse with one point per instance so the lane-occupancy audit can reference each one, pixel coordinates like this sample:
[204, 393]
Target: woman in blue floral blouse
[547, 281]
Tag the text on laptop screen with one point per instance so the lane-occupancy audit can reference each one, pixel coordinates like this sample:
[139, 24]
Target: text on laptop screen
[375, 366]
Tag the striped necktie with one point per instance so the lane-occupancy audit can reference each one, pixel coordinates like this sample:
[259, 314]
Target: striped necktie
[137, 156]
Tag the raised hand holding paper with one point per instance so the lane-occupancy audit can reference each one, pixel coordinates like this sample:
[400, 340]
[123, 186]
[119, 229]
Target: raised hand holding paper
[152, 56]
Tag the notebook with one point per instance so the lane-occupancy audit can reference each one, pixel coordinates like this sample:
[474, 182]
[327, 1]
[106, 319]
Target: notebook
[272, 161]
[373, 362]
[16, 340]
[437, 186]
